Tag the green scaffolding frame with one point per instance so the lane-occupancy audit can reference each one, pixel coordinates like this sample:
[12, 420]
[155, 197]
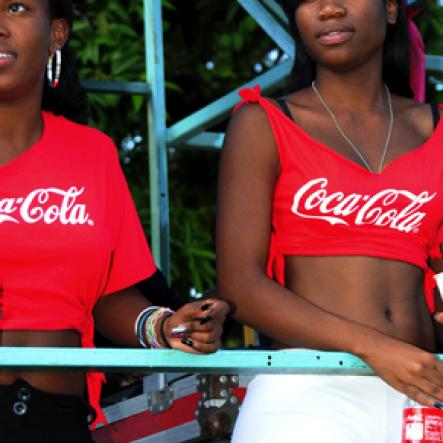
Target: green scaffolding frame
[192, 132]
[154, 91]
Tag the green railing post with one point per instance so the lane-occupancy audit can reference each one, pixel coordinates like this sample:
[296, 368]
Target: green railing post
[158, 161]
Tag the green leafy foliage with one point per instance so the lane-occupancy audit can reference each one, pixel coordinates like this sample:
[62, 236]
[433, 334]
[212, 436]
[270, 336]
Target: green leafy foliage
[430, 23]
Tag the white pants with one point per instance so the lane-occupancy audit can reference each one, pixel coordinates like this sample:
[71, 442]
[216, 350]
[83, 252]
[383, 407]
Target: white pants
[319, 409]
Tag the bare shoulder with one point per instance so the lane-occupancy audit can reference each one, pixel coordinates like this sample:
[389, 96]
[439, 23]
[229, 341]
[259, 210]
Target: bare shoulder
[249, 119]
[249, 150]
[417, 115]
[250, 134]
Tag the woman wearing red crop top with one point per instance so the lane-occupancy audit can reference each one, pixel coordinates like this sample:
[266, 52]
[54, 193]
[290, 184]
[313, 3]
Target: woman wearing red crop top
[330, 202]
[72, 247]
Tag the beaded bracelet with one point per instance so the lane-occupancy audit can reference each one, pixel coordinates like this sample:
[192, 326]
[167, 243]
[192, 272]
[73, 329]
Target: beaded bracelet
[162, 331]
[139, 324]
[151, 326]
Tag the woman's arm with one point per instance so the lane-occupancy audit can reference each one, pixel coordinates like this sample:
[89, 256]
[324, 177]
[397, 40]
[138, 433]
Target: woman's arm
[436, 265]
[248, 172]
[115, 315]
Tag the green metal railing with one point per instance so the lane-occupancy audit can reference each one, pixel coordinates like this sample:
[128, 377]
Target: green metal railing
[159, 360]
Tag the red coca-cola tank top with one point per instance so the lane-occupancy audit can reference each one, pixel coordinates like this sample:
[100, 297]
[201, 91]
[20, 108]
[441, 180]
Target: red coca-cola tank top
[327, 205]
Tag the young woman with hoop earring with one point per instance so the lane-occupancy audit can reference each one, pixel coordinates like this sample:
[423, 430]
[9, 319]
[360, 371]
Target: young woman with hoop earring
[72, 247]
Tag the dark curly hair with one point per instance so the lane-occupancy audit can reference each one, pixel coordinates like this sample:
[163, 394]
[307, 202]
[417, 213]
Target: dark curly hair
[396, 58]
[68, 99]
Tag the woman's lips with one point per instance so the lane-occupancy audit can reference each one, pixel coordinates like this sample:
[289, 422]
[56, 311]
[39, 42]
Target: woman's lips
[6, 59]
[335, 37]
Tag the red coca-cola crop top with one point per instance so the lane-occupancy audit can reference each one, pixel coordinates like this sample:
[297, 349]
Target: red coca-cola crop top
[327, 205]
[69, 233]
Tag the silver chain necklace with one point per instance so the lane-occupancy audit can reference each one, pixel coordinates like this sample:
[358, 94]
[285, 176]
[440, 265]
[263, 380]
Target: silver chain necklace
[356, 150]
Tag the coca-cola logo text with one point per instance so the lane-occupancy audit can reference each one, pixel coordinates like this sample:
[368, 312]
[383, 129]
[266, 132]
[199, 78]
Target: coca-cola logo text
[394, 208]
[49, 206]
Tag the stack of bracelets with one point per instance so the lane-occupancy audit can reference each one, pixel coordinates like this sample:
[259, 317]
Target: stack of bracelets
[146, 326]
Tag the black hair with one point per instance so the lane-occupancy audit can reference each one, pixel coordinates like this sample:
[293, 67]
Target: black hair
[68, 99]
[396, 57]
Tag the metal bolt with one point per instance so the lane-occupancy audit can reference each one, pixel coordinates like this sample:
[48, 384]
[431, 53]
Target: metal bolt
[197, 413]
[19, 408]
[233, 400]
[223, 379]
[24, 394]
[204, 395]
[235, 379]
[223, 393]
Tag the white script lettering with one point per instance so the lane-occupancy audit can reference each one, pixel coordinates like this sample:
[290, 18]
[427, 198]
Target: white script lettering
[394, 208]
[46, 205]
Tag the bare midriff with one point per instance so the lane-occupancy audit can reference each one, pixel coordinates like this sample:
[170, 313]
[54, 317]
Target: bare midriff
[386, 295]
[67, 383]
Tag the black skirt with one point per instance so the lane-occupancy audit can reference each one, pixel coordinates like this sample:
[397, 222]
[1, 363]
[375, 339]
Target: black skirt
[28, 415]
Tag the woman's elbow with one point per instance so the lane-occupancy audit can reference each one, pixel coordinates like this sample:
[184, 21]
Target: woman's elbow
[237, 288]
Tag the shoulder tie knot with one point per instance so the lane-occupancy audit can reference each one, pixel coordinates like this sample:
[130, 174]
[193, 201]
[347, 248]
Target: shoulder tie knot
[249, 95]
